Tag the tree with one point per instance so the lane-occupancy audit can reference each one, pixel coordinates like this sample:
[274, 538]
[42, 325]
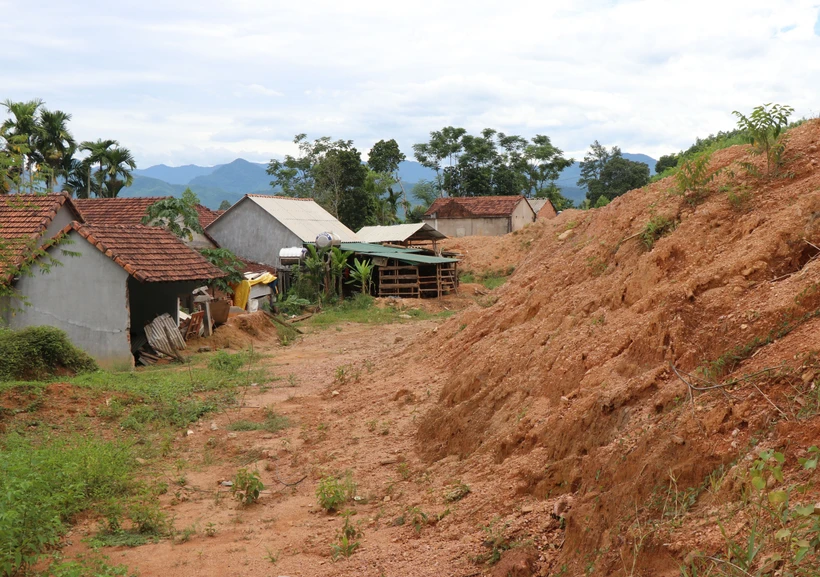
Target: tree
[225, 205]
[385, 158]
[21, 129]
[119, 163]
[295, 175]
[224, 259]
[340, 177]
[177, 215]
[618, 176]
[666, 161]
[544, 163]
[112, 162]
[763, 128]
[593, 165]
[444, 144]
[54, 144]
[379, 186]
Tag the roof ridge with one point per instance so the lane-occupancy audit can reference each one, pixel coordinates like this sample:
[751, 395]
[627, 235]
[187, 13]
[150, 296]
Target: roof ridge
[257, 195]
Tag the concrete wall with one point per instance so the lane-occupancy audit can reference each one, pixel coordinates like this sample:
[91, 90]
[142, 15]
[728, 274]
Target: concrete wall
[63, 217]
[522, 215]
[457, 227]
[86, 297]
[250, 232]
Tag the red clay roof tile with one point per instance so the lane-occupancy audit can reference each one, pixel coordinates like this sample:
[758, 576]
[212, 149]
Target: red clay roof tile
[127, 211]
[473, 206]
[148, 253]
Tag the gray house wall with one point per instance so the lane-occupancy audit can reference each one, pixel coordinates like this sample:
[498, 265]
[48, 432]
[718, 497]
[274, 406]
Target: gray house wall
[522, 215]
[457, 227]
[250, 232]
[63, 217]
[86, 297]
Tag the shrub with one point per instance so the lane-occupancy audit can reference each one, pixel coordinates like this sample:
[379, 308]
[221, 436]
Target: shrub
[693, 177]
[246, 486]
[764, 130]
[333, 492]
[38, 352]
[657, 227]
[348, 538]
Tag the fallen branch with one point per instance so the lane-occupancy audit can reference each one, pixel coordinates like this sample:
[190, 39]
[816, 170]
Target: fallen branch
[300, 318]
[278, 321]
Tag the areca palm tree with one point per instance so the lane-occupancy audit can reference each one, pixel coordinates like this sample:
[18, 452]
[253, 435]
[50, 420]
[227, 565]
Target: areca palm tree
[54, 143]
[22, 129]
[114, 165]
[97, 154]
[120, 163]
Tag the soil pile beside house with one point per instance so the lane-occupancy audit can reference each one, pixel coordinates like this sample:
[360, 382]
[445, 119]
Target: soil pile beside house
[566, 385]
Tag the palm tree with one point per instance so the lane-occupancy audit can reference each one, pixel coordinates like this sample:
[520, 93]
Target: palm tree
[54, 143]
[98, 154]
[76, 177]
[120, 162]
[22, 128]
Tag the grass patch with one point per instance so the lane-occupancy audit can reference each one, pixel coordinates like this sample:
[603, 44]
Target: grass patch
[45, 483]
[362, 309]
[657, 227]
[271, 424]
[491, 279]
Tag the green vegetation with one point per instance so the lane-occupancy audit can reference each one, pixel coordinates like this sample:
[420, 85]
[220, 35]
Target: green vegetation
[361, 273]
[272, 423]
[362, 309]
[347, 538]
[491, 279]
[37, 148]
[657, 227]
[46, 482]
[606, 173]
[457, 492]
[247, 486]
[38, 352]
[492, 163]
[177, 215]
[764, 130]
[333, 492]
[783, 525]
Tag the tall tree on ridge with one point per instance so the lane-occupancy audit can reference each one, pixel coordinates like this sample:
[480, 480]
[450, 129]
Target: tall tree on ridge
[54, 143]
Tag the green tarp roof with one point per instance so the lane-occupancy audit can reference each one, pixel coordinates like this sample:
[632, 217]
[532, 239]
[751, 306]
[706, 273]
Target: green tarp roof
[409, 255]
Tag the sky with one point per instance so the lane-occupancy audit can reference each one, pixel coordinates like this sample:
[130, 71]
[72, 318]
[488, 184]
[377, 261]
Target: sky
[204, 82]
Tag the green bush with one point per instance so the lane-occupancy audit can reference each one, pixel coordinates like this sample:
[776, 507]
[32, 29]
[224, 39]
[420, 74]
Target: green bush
[246, 486]
[333, 492]
[38, 352]
[43, 486]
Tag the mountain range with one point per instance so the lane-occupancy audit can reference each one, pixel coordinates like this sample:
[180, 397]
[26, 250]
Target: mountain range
[231, 181]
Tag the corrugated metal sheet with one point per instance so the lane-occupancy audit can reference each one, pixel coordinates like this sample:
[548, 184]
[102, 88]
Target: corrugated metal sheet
[303, 217]
[405, 255]
[397, 232]
[164, 336]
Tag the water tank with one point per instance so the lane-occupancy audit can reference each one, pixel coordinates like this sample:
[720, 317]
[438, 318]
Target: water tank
[292, 255]
[328, 239]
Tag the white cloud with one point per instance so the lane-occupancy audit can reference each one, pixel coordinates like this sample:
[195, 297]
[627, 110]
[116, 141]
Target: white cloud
[211, 79]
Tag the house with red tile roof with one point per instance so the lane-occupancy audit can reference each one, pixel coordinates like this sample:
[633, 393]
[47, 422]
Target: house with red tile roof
[130, 211]
[479, 215]
[111, 280]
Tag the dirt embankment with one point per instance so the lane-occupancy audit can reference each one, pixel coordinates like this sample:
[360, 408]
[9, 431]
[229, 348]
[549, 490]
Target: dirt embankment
[565, 385]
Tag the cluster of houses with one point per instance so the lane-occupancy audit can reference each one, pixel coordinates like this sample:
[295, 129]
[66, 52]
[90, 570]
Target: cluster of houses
[102, 276]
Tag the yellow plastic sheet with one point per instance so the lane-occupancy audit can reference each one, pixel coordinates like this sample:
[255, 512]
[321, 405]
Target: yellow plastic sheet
[241, 292]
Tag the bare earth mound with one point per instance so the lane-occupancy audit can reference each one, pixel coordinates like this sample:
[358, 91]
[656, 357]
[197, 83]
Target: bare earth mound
[565, 386]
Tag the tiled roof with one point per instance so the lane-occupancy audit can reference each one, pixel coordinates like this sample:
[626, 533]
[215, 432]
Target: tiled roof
[474, 206]
[148, 253]
[23, 218]
[127, 211]
[206, 215]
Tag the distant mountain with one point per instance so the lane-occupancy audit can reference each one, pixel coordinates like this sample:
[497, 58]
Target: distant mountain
[231, 181]
[176, 174]
[238, 176]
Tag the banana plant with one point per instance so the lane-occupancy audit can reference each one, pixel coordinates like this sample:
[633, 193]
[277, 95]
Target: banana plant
[361, 272]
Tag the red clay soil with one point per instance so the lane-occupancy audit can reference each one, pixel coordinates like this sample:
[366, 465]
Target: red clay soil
[564, 386]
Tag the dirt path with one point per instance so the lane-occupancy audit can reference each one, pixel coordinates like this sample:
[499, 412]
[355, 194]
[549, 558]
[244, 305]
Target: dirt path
[352, 410]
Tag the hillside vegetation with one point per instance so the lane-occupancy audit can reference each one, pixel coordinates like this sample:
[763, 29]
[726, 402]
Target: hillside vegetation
[651, 368]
